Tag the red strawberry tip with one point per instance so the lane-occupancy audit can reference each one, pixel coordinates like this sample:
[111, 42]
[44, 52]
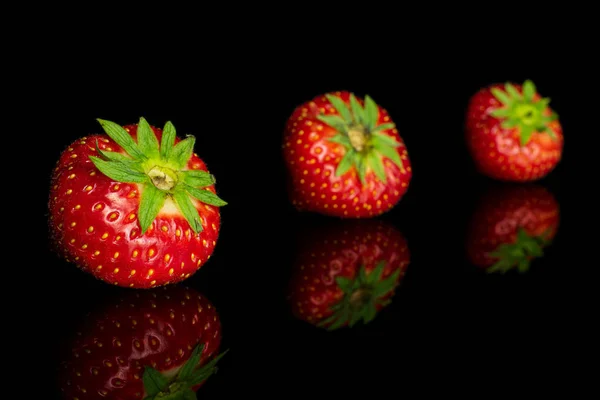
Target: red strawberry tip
[362, 296]
[158, 386]
[524, 110]
[364, 140]
[159, 168]
[518, 254]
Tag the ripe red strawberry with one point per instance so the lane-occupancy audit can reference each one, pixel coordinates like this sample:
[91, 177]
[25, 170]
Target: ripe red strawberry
[347, 272]
[511, 227]
[155, 344]
[345, 157]
[135, 207]
[512, 134]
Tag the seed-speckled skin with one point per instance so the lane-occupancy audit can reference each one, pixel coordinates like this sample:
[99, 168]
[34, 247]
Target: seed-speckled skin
[497, 152]
[158, 327]
[93, 222]
[312, 160]
[502, 211]
[340, 250]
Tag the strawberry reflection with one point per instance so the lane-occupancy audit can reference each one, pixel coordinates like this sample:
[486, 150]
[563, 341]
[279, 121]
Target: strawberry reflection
[161, 343]
[346, 272]
[511, 227]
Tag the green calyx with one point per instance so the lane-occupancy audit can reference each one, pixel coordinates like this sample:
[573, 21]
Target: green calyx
[364, 141]
[518, 254]
[159, 387]
[159, 169]
[362, 296]
[520, 110]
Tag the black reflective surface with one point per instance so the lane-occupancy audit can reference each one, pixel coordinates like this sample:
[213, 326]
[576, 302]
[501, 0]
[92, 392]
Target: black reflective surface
[445, 321]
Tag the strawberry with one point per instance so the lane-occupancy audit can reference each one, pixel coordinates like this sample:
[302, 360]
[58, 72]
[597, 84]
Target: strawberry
[347, 273]
[511, 227]
[512, 134]
[134, 207]
[345, 157]
[154, 344]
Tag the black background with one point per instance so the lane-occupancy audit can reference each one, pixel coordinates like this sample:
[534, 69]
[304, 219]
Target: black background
[450, 328]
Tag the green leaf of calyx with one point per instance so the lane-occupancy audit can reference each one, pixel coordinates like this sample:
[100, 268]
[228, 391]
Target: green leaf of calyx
[501, 96]
[361, 167]
[346, 163]
[376, 164]
[500, 113]
[334, 121]
[118, 171]
[152, 200]
[512, 91]
[122, 138]
[383, 127]
[189, 394]
[391, 153]
[119, 157]
[383, 139]
[341, 139]
[387, 285]
[205, 196]
[528, 90]
[167, 140]
[185, 205]
[205, 371]
[197, 179]
[182, 152]
[188, 368]
[376, 273]
[154, 381]
[344, 283]
[357, 111]
[341, 107]
[146, 139]
[371, 113]
[526, 132]
[509, 123]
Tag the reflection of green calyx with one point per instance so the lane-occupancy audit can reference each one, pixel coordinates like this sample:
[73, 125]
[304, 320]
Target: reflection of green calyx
[518, 254]
[364, 140]
[362, 296]
[520, 110]
[159, 168]
[158, 386]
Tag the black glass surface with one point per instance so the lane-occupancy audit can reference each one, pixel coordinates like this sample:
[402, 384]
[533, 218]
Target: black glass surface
[451, 325]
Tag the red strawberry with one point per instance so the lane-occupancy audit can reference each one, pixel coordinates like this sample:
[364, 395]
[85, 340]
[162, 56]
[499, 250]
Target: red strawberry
[512, 134]
[347, 272]
[511, 227]
[135, 207]
[345, 157]
[155, 344]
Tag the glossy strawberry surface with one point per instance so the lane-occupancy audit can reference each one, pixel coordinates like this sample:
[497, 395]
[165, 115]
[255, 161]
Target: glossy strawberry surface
[117, 345]
[511, 227]
[347, 272]
[345, 157]
[512, 133]
[94, 221]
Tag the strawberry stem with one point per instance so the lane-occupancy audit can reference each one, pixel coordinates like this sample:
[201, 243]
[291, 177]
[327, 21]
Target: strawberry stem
[520, 110]
[161, 170]
[158, 386]
[363, 294]
[365, 143]
[518, 254]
